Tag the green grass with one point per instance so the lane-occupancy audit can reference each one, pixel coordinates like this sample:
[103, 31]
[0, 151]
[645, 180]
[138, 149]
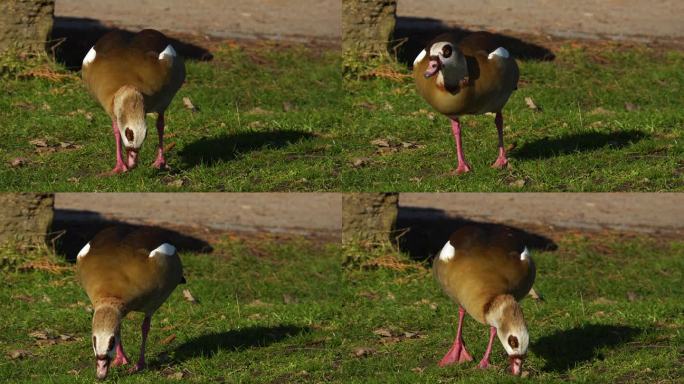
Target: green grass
[584, 138]
[265, 122]
[276, 311]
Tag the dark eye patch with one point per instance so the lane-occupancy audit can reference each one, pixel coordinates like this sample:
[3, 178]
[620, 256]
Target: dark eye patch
[513, 341]
[446, 51]
[110, 346]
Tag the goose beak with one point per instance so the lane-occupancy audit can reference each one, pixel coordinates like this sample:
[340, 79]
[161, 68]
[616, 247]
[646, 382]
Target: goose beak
[516, 365]
[102, 368]
[132, 157]
[433, 67]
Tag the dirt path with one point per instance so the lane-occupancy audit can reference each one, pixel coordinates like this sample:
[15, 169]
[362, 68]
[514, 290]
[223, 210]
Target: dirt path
[615, 19]
[272, 212]
[630, 212]
[291, 20]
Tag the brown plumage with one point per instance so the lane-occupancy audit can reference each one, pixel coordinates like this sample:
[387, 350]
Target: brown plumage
[124, 270]
[131, 76]
[471, 76]
[486, 272]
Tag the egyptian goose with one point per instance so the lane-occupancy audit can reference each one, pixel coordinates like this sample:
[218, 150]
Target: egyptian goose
[132, 76]
[124, 270]
[486, 272]
[469, 77]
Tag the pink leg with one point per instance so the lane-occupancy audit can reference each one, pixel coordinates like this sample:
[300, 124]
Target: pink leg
[463, 165]
[141, 361]
[121, 358]
[484, 363]
[458, 352]
[120, 166]
[501, 161]
[160, 163]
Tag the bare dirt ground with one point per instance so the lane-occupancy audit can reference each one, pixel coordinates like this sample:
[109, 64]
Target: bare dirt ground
[301, 213]
[654, 213]
[607, 19]
[273, 19]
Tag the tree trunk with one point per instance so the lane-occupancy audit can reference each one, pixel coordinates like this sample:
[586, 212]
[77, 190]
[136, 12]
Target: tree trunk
[25, 24]
[368, 218]
[367, 27]
[25, 218]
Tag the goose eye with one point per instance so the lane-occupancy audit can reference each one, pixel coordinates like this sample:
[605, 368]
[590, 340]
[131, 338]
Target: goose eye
[110, 346]
[446, 51]
[513, 341]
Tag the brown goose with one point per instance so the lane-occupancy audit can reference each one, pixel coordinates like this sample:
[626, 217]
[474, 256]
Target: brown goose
[486, 273]
[124, 270]
[468, 77]
[132, 76]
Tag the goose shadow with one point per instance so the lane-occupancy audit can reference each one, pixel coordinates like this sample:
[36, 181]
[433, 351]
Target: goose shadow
[72, 37]
[424, 231]
[211, 150]
[563, 350]
[236, 340]
[412, 34]
[72, 229]
[578, 142]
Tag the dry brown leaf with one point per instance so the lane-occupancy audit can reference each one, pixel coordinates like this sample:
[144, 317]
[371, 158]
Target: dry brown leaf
[363, 351]
[188, 104]
[19, 354]
[531, 105]
[19, 162]
[188, 296]
[169, 339]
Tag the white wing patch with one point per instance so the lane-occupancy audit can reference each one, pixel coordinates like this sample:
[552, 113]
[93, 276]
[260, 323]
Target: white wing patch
[420, 57]
[165, 249]
[525, 254]
[448, 252]
[501, 52]
[84, 251]
[90, 57]
[167, 52]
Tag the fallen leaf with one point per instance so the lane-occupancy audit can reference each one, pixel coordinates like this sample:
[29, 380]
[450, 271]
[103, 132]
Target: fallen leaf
[18, 162]
[19, 354]
[601, 111]
[289, 299]
[287, 106]
[631, 106]
[24, 298]
[369, 295]
[417, 369]
[600, 314]
[524, 374]
[188, 296]
[517, 183]
[176, 183]
[380, 143]
[39, 142]
[360, 162]
[74, 180]
[383, 332]
[631, 296]
[416, 179]
[531, 105]
[40, 335]
[363, 351]
[169, 146]
[603, 301]
[258, 111]
[188, 104]
[169, 339]
[366, 105]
